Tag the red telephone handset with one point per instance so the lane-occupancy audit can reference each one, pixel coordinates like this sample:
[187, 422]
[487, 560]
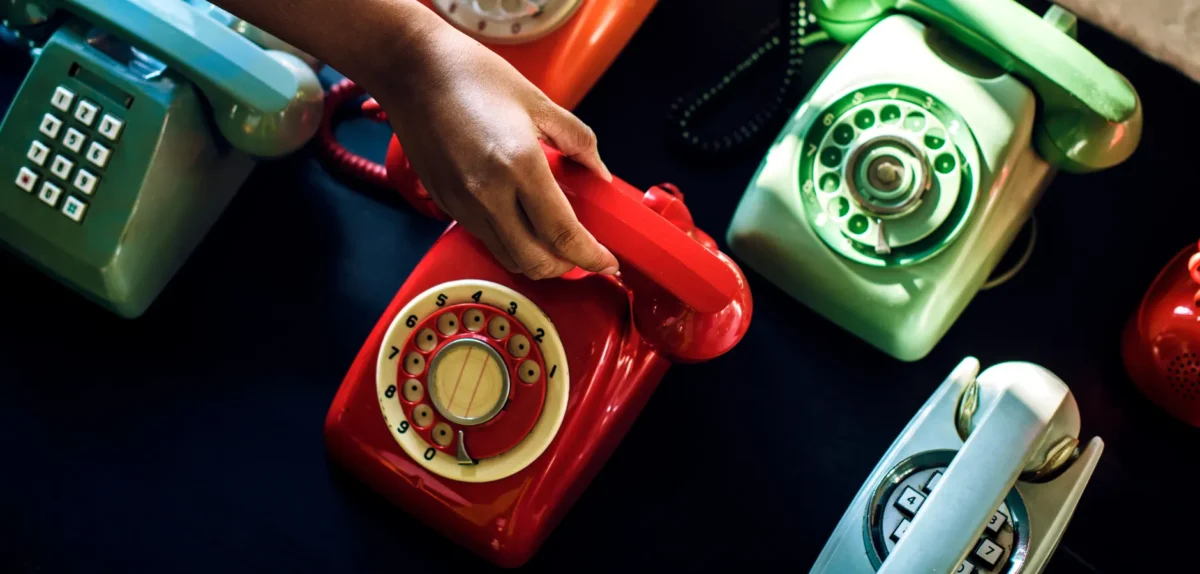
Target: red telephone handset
[1161, 342]
[483, 402]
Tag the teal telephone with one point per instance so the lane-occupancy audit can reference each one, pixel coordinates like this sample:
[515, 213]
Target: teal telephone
[983, 480]
[905, 174]
[134, 127]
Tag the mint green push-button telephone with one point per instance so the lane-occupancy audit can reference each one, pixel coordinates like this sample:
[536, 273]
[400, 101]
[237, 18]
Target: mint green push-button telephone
[983, 480]
[905, 174]
[133, 129]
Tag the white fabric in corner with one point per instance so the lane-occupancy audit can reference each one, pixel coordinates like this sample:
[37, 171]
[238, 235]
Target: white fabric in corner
[1166, 30]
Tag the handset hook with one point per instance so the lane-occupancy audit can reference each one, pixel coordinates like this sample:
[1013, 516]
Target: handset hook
[1091, 116]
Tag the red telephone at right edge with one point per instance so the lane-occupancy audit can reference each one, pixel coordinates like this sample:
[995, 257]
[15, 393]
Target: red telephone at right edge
[483, 403]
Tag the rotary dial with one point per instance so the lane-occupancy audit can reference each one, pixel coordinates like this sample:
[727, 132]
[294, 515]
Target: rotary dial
[472, 380]
[507, 21]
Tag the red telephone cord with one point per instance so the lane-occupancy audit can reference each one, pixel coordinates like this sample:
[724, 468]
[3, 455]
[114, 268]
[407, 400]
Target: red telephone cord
[333, 152]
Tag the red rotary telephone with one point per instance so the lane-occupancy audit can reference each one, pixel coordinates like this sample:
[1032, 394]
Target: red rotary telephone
[1161, 343]
[483, 402]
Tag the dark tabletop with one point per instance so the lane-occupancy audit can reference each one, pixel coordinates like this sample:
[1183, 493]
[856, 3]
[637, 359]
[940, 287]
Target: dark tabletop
[190, 440]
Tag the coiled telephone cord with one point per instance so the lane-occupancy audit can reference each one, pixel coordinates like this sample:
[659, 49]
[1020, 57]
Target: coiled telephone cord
[333, 153]
[683, 115]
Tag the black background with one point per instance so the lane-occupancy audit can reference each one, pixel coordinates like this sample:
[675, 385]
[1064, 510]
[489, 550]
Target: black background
[190, 440]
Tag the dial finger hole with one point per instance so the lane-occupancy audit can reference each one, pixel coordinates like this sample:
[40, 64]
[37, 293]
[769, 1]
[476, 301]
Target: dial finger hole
[414, 391]
[442, 434]
[498, 327]
[426, 340]
[448, 324]
[414, 363]
[518, 346]
[422, 416]
[529, 372]
[473, 320]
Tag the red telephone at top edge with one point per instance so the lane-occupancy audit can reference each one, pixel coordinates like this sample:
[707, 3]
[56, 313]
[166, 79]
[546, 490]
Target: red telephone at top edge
[483, 403]
[1161, 342]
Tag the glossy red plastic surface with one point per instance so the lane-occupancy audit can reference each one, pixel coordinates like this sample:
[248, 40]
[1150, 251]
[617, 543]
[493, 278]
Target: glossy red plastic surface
[620, 335]
[1161, 342]
[567, 62]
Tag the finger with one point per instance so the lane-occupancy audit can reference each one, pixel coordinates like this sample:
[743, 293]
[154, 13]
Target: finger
[575, 139]
[554, 222]
[531, 255]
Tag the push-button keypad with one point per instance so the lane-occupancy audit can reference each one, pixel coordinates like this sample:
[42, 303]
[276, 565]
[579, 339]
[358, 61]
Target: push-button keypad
[904, 501]
[73, 124]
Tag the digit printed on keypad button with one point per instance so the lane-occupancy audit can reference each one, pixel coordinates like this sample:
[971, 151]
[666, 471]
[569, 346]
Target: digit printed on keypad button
[74, 139]
[110, 127]
[61, 167]
[50, 125]
[38, 152]
[49, 193]
[988, 552]
[901, 530]
[910, 501]
[62, 99]
[995, 523]
[86, 112]
[964, 568]
[85, 181]
[97, 154]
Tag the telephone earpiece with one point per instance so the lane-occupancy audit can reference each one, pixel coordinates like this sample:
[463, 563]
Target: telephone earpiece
[1091, 117]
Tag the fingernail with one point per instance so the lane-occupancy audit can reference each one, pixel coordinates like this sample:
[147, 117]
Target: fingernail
[611, 270]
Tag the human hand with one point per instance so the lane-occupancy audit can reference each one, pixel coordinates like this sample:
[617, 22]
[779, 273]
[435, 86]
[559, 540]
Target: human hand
[470, 125]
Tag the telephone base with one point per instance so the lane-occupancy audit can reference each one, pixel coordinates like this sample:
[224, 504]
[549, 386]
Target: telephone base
[112, 178]
[613, 372]
[798, 226]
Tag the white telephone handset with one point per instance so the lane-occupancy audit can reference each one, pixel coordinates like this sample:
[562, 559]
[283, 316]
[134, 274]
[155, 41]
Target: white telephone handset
[983, 480]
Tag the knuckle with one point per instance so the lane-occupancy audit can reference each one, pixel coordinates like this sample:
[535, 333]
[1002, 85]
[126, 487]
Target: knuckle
[539, 267]
[566, 238]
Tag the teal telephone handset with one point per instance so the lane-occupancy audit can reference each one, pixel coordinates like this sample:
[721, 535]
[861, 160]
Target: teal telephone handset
[905, 174]
[134, 127]
[983, 480]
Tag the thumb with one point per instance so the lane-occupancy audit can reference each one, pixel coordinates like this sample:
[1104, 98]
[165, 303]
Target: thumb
[569, 135]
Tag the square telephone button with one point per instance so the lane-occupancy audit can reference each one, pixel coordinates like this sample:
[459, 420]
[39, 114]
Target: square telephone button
[86, 112]
[989, 553]
[61, 167]
[74, 140]
[964, 568]
[910, 501]
[85, 181]
[62, 99]
[74, 209]
[26, 179]
[50, 126]
[98, 154]
[49, 193]
[38, 152]
[110, 127]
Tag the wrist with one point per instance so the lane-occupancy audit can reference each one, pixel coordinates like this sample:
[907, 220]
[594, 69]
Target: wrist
[397, 50]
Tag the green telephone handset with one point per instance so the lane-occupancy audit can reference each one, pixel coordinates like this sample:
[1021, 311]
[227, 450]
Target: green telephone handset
[904, 175]
[1091, 117]
[111, 142]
